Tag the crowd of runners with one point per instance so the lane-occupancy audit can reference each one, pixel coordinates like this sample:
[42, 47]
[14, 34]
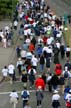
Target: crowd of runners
[43, 47]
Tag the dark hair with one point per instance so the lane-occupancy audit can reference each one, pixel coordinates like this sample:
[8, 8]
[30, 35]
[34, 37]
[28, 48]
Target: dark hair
[14, 90]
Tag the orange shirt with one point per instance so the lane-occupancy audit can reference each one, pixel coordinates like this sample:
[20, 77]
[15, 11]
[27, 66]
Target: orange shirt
[31, 47]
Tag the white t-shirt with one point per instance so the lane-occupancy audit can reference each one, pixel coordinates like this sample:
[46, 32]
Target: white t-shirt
[4, 40]
[49, 78]
[68, 97]
[5, 72]
[58, 45]
[27, 31]
[19, 62]
[23, 53]
[34, 61]
[11, 69]
[50, 40]
[49, 50]
[13, 94]
[68, 49]
[28, 41]
[55, 97]
[45, 48]
[40, 40]
[58, 35]
[6, 28]
[45, 15]
[15, 23]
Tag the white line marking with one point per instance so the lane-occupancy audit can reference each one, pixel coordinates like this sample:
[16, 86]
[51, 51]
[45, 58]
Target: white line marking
[4, 93]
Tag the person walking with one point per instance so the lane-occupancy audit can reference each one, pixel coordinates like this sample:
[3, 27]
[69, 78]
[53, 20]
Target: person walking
[11, 71]
[40, 82]
[31, 75]
[27, 105]
[68, 99]
[25, 95]
[62, 51]
[62, 83]
[66, 74]
[49, 82]
[24, 77]
[39, 96]
[14, 98]
[4, 74]
[55, 100]
[4, 40]
[19, 65]
[42, 62]
[68, 49]
[55, 81]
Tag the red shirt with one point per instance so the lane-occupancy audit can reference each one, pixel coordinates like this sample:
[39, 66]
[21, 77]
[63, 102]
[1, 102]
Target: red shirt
[40, 82]
[58, 69]
[31, 48]
[45, 40]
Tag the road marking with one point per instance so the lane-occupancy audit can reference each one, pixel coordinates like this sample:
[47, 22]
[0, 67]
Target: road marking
[5, 93]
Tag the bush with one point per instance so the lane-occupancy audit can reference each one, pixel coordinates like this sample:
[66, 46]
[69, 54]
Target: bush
[7, 7]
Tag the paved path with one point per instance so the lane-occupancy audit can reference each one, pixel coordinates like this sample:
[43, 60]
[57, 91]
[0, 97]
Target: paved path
[5, 56]
[60, 7]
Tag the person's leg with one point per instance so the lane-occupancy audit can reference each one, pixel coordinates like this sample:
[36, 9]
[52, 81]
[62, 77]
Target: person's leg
[11, 81]
[66, 82]
[54, 87]
[19, 70]
[63, 89]
[50, 88]
[14, 105]
[23, 103]
[2, 79]
[41, 67]
[38, 102]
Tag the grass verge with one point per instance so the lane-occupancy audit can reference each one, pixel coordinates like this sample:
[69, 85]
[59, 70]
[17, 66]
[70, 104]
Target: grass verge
[67, 36]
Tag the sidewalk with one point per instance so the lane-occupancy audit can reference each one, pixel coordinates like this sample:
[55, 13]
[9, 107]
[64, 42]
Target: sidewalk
[6, 56]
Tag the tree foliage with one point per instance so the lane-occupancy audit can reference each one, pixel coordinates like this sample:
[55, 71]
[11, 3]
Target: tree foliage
[7, 7]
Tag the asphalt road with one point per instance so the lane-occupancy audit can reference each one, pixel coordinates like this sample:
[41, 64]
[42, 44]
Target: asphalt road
[60, 7]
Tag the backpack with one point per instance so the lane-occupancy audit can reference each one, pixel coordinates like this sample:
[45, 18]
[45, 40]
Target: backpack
[25, 95]
[65, 74]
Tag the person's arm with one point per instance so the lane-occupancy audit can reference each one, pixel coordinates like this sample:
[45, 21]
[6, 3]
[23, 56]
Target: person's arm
[22, 94]
[17, 96]
[66, 98]
[28, 94]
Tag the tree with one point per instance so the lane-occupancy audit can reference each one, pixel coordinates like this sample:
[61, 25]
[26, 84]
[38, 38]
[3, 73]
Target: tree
[7, 7]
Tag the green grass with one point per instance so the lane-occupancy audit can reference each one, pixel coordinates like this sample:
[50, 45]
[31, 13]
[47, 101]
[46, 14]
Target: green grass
[67, 36]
